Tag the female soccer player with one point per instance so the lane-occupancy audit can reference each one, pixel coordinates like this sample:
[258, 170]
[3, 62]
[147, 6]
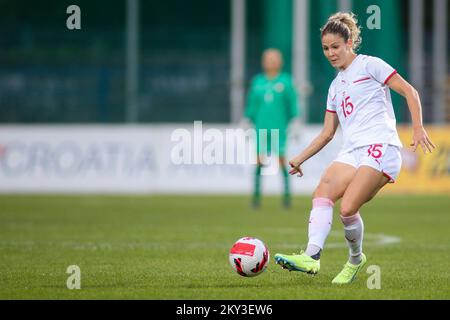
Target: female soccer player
[359, 100]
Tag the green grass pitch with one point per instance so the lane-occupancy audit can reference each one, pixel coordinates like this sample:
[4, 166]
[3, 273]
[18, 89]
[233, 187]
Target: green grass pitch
[176, 247]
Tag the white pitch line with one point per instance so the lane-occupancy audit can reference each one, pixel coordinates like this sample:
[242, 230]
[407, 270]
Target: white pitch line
[370, 239]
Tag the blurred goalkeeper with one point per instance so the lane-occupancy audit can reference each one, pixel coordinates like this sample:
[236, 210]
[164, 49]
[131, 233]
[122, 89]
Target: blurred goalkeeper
[271, 104]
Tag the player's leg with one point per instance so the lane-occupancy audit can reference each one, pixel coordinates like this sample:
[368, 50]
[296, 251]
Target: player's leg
[331, 187]
[256, 198]
[284, 168]
[261, 150]
[364, 186]
[286, 188]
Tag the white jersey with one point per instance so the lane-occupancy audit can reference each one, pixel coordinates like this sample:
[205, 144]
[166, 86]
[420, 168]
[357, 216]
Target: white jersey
[362, 101]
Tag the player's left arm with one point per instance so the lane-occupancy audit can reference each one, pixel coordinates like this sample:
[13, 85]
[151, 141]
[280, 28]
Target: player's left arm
[420, 136]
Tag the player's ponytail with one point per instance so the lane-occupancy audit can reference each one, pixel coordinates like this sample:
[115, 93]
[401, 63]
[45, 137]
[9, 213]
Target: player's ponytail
[346, 25]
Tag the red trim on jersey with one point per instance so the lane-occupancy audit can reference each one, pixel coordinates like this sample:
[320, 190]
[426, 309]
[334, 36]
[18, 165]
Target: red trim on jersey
[363, 79]
[328, 110]
[390, 76]
[391, 180]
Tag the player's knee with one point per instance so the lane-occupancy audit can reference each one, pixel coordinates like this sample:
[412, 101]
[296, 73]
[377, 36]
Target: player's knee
[323, 190]
[348, 209]
[318, 193]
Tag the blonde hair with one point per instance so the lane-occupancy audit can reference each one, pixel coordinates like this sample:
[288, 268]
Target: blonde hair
[344, 24]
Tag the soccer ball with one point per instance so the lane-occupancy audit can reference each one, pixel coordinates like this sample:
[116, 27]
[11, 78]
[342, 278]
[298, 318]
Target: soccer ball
[249, 257]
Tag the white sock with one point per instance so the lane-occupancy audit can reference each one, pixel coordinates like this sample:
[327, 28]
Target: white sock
[320, 221]
[354, 233]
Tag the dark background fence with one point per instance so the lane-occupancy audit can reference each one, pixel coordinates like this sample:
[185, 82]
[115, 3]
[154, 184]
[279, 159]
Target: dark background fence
[49, 74]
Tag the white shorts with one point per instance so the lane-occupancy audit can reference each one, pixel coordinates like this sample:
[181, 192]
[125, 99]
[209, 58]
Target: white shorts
[385, 158]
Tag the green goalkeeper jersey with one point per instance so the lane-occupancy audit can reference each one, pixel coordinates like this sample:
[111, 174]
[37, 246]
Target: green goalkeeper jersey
[272, 103]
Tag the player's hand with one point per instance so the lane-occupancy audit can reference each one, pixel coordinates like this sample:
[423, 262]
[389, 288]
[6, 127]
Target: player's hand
[420, 137]
[295, 167]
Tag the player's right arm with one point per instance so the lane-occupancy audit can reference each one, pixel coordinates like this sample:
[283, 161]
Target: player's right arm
[331, 123]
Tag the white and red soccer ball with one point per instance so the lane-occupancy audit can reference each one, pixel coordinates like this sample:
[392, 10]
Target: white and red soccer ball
[249, 257]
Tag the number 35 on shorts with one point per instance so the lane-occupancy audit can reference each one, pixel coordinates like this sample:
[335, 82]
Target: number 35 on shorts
[376, 151]
[387, 158]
